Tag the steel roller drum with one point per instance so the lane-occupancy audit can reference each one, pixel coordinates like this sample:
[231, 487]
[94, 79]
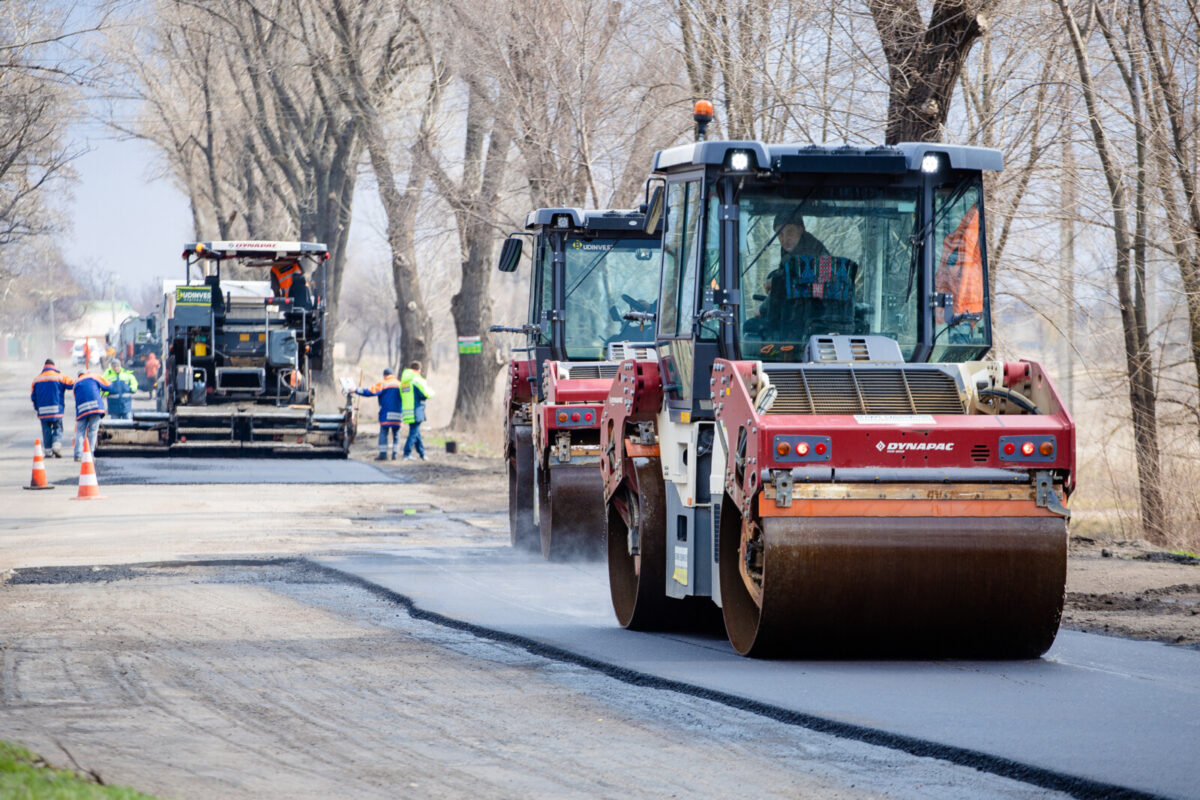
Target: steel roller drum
[571, 513]
[988, 587]
[523, 533]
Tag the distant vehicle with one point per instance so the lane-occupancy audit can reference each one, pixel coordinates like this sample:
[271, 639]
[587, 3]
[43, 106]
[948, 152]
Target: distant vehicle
[137, 338]
[95, 352]
[238, 357]
[589, 266]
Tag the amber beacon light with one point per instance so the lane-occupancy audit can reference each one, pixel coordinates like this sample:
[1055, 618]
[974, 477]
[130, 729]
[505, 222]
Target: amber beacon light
[702, 112]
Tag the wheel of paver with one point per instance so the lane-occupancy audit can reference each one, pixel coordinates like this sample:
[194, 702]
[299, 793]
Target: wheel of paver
[988, 587]
[571, 512]
[636, 517]
[523, 533]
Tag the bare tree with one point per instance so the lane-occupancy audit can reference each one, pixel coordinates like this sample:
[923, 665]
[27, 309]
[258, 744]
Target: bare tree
[1129, 238]
[924, 61]
[473, 198]
[37, 90]
[379, 47]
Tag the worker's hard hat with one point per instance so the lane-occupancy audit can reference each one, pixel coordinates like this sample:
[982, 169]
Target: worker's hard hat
[49, 362]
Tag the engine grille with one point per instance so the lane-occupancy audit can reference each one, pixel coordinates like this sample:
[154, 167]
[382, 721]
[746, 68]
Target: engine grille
[578, 371]
[910, 389]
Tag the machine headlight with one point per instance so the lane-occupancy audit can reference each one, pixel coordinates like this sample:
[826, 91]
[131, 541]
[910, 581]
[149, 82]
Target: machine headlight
[930, 163]
[739, 160]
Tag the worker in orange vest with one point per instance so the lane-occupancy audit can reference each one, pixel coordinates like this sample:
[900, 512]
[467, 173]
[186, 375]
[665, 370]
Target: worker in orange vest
[960, 272]
[282, 275]
[152, 365]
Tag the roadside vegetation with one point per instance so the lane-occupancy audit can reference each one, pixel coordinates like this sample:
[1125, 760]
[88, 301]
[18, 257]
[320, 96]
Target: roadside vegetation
[25, 776]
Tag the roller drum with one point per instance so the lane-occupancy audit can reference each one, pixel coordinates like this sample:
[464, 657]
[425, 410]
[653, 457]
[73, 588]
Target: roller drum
[897, 586]
[637, 581]
[571, 512]
[522, 530]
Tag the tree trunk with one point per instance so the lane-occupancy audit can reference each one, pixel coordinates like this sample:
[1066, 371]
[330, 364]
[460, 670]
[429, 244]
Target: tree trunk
[1172, 156]
[924, 62]
[474, 199]
[1138, 365]
[416, 327]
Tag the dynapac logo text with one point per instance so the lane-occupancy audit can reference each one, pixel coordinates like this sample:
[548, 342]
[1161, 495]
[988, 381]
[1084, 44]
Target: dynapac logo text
[907, 447]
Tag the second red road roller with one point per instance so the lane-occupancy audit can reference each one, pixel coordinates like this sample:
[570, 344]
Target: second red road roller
[592, 285]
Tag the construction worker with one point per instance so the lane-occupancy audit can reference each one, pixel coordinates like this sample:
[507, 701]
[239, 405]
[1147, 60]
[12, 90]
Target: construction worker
[795, 243]
[117, 371]
[960, 274]
[390, 414]
[122, 386]
[152, 365]
[414, 391]
[89, 408]
[282, 275]
[49, 394]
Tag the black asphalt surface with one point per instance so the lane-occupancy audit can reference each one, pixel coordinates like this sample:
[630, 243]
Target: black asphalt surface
[1096, 717]
[185, 471]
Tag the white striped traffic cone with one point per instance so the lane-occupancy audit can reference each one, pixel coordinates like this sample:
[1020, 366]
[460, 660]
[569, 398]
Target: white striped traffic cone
[38, 481]
[89, 487]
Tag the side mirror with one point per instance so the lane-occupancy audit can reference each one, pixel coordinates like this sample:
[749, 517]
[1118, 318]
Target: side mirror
[510, 255]
[654, 210]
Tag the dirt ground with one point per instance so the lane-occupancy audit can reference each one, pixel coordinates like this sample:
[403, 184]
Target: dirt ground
[265, 679]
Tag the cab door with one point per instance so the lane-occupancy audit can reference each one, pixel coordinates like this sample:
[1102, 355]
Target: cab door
[682, 233]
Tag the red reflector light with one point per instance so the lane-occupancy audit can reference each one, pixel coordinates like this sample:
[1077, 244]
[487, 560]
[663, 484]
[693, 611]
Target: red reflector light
[820, 448]
[1046, 449]
[1027, 448]
[1009, 448]
[183, 438]
[783, 448]
[562, 416]
[587, 417]
[299, 440]
[801, 448]
[575, 417]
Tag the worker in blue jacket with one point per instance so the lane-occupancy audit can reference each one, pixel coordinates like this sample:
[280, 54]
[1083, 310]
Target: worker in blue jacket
[49, 395]
[89, 408]
[390, 414]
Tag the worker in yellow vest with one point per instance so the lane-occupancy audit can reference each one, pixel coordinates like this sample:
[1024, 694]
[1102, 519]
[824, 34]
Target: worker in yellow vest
[414, 391]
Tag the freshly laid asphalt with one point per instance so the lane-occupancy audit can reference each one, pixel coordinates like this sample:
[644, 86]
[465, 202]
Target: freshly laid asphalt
[182, 471]
[1097, 716]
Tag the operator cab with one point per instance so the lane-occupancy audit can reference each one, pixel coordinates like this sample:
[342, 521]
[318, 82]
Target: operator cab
[787, 253]
[590, 270]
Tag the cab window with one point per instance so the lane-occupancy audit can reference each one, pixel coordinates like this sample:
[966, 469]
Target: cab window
[678, 286]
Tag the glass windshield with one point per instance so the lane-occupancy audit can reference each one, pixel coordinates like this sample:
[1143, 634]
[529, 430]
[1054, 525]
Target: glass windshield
[960, 321]
[817, 260]
[604, 279]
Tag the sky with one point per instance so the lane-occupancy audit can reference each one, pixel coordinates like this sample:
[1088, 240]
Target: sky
[124, 221]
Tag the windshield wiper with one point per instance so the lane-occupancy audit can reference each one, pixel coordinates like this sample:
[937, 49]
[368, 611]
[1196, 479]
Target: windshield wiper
[919, 235]
[595, 263]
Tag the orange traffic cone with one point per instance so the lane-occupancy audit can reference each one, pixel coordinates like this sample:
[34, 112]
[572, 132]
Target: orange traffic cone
[38, 481]
[89, 488]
